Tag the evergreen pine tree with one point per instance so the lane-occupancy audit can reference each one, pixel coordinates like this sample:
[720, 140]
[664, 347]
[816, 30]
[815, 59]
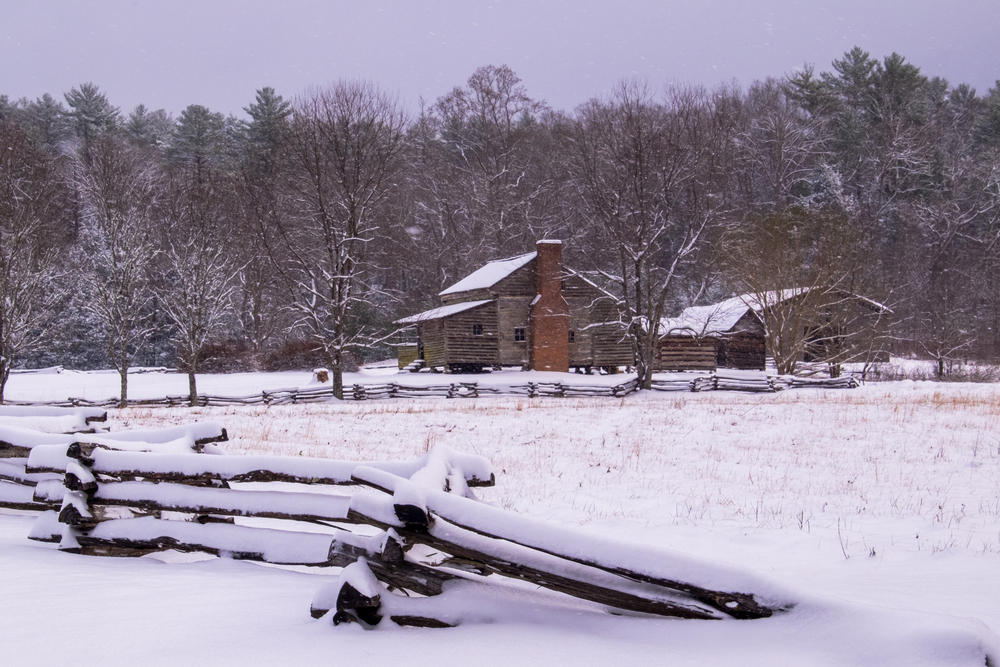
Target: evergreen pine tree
[199, 139]
[149, 128]
[91, 115]
[988, 128]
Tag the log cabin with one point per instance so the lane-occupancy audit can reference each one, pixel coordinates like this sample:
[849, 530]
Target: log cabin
[528, 311]
[832, 325]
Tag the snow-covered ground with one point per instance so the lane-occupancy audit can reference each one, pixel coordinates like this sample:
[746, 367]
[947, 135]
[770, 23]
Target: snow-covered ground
[879, 507]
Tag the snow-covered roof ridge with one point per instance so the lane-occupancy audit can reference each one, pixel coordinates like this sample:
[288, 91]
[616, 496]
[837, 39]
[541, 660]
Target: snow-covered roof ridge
[489, 275]
[443, 311]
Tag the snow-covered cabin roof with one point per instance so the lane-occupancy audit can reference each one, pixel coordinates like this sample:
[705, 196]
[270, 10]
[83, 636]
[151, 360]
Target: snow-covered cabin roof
[720, 318]
[489, 275]
[443, 311]
[710, 320]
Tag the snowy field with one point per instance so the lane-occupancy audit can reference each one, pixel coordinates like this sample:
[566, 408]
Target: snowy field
[879, 508]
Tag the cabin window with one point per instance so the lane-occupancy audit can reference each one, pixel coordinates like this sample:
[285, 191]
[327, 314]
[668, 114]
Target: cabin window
[572, 336]
[477, 329]
[519, 335]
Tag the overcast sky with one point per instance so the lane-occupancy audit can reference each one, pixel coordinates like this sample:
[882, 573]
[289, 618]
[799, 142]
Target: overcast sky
[174, 53]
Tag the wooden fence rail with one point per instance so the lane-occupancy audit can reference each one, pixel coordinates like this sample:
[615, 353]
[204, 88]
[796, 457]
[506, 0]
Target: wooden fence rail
[719, 381]
[132, 494]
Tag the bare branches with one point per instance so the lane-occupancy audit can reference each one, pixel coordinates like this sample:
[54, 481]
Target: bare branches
[28, 201]
[650, 173]
[344, 145]
[119, 187]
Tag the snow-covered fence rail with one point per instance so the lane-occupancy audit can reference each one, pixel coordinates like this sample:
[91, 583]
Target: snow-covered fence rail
[17, 486]
[40, 484]
[72, 420]
[795, 382]
[673, 384]
[20, 429]
[129, 494]
[719, 381]
[365, 392]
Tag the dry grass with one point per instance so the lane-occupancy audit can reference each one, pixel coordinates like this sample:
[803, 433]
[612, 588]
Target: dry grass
[900, 466]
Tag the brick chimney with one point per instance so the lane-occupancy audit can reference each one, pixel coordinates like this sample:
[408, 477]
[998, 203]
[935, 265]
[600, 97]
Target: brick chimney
[549, 312]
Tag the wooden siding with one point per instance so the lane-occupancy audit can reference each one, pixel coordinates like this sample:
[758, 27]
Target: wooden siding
[468, 295]
[750, 323]
[580, 296]
[685, 353]
[520, 283]
[513, 313]
[742, 350]
[513, 297]
[612, 347]
[432, 341]
[406, 354]
[462, 346]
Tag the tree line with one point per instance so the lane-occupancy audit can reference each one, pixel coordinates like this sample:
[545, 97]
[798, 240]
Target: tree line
[296, 236]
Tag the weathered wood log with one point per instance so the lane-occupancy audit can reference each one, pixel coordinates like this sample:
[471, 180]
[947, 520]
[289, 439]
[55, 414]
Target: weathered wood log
[741, 606]
[26, 506]
[419, 622]
[295, 469]
[549, 577]
[238, 542]
[73, 482]
[305, 507]
[126, 537]
[413, 517]
[735, 604]
[19, 497]
[72, 516]
[46, 528]
[49, 492]
[352, 601]
[13, 471]
[11, 451]
[390, 567]
[25, 410]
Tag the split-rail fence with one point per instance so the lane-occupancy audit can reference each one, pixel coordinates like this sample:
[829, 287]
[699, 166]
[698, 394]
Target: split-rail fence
[401, 531]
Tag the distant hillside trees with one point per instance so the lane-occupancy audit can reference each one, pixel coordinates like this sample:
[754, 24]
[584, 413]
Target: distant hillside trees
[336, 214]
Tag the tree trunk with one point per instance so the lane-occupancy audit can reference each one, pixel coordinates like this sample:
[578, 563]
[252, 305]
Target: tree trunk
[645, 350]
[123, 372]
[192, 384]
[337, 370]
[4, 375]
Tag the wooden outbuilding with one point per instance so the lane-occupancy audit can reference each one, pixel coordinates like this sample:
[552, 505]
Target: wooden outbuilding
[729, 334]
[828, 325]
[528, 311]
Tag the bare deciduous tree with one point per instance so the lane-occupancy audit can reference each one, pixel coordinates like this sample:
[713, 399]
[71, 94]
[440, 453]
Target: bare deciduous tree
[199, 282]
[485, 130]
[118, 186]
[344, 145]
[806, 273]
[650, 174]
